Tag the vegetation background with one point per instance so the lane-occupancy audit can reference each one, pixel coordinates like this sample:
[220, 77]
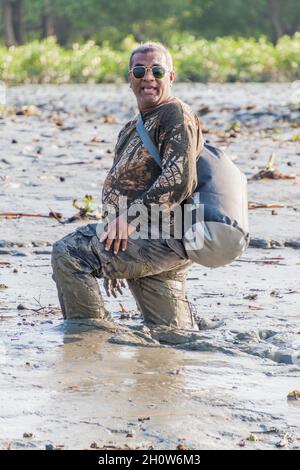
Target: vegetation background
[50, 41]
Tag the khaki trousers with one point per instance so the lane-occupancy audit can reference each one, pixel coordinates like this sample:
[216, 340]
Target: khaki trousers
[154, 271]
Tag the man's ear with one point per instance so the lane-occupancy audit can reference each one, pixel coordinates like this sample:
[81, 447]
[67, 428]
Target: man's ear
[172, 76]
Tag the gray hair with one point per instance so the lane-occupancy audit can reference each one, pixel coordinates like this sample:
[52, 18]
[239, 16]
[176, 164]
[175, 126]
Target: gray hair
[150, 47]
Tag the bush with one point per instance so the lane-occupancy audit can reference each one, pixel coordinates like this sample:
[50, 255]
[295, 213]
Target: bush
[222, 60]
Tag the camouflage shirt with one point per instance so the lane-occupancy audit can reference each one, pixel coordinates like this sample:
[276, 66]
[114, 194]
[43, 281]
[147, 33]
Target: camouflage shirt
[176, 131]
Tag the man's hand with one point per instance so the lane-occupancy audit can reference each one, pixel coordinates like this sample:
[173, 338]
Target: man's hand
[113, 286]
[117, 233]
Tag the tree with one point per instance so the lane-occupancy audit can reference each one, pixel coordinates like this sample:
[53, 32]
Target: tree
[13, 23]
[284, 17]
[112, 20]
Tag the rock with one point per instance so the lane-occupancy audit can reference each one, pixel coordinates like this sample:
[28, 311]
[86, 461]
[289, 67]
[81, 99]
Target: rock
[292, 244]
[94, 445]
[282, 443]
[204, 324]
[248, 336]
[264, 243]
[259, 243]
[21, 307]
[181, 446]
[49, 447]
[266, 334]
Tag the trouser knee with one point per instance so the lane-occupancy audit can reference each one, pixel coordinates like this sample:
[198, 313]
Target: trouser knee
[59, 257]
[162, 302]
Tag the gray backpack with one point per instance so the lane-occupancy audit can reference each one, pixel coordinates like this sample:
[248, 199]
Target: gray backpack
[222, 234]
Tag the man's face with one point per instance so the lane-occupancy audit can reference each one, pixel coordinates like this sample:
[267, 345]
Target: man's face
[150, 91]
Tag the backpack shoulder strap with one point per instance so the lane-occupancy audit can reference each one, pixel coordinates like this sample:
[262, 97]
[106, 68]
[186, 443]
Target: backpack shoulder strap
[146, 139]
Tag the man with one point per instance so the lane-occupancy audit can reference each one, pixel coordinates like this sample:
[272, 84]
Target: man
[155, 268]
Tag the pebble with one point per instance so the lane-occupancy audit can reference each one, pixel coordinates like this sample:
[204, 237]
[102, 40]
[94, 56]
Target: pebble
[21, 307]
[49, 447]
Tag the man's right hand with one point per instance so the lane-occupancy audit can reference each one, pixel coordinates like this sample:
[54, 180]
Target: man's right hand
[116, 233]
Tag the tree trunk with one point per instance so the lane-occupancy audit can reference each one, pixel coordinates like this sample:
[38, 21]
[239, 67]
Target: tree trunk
[9, 33]
[55, 26]
[61, 25]
[274, 12]
[48, 28]
[18, 22]
[294, 25]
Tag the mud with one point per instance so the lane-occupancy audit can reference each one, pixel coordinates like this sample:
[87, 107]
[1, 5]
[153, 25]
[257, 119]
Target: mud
[70, 385]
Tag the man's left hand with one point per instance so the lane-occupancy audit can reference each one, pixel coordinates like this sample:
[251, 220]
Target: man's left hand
[113, 286]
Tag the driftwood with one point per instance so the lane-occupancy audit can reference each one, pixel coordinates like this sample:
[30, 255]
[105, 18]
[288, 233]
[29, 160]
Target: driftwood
[271, 205]
[22, 214]
[271, 172]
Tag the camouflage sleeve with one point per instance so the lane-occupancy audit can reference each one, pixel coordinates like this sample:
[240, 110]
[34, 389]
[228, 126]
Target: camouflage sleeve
[180, 142]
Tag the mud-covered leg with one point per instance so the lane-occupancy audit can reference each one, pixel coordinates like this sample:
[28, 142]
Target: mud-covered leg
[74, 267]
[61, 300]
[162, 302]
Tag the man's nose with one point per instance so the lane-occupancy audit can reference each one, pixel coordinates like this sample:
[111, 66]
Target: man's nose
[149, 75]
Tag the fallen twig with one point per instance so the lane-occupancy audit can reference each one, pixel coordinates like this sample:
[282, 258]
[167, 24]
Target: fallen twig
[23, 214]
[271, 205]
[274, 260]
[56, 215]
[267, 431]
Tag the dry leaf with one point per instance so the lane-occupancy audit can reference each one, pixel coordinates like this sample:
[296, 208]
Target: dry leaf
[294, 395]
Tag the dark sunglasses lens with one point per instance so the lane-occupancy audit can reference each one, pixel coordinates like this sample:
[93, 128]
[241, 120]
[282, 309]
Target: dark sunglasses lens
[158, 71]
[138, 71]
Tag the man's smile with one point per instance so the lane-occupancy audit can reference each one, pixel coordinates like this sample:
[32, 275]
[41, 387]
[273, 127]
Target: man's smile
[149, 90]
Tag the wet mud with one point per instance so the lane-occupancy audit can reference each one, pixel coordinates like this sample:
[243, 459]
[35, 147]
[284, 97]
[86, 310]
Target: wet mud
[77, 385]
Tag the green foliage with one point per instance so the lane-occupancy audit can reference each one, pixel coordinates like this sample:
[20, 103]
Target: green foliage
[221, 60]
[86, 206]
[93, 19]
[113, 20]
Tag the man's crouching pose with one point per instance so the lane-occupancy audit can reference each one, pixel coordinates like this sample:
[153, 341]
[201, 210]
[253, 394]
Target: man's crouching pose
[155, 268]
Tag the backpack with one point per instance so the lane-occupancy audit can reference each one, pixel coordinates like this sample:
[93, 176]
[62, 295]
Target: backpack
[222, 234]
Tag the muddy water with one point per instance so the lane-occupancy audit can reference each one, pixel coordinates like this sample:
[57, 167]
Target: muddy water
[72, 388]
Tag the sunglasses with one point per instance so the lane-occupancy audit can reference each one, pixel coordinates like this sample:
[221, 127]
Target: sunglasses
[139, 71]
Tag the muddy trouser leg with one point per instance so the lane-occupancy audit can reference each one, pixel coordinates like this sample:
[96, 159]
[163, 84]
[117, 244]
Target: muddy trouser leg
[162, 299]
[74, 271]
[79, 258]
